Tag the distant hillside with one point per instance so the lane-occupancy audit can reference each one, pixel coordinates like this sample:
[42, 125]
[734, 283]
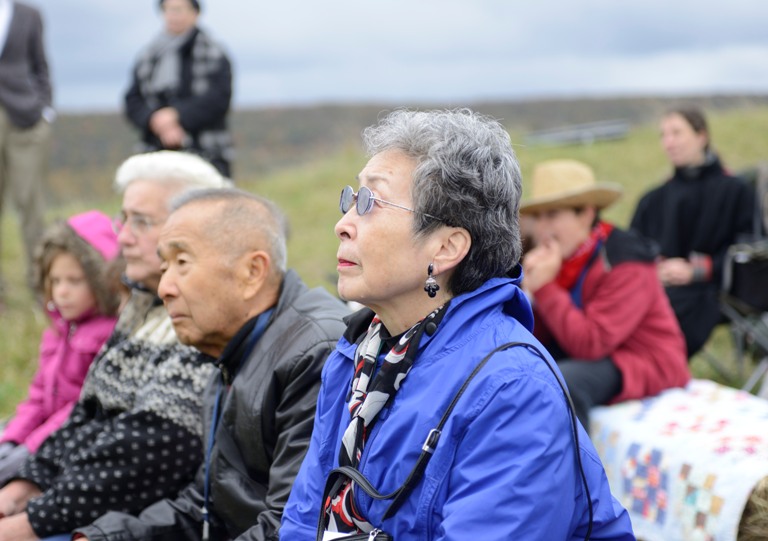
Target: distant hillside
[86, 148]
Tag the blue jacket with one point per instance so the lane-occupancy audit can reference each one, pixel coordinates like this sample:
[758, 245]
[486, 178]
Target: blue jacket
[504, 467]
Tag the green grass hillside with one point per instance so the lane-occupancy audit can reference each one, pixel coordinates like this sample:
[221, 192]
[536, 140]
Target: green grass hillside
[308, 193]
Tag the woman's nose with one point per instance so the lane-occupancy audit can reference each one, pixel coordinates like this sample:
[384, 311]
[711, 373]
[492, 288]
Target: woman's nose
[345, 226]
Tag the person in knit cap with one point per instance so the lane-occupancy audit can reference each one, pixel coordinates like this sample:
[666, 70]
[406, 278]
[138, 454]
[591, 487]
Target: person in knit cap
[70, 276]
[598, 305]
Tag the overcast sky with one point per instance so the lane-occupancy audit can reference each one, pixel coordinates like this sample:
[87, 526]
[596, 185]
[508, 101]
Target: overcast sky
[410, 51]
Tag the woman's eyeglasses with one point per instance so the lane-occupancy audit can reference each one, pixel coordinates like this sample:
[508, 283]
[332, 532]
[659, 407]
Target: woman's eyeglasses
[137, 223]
[364, 200]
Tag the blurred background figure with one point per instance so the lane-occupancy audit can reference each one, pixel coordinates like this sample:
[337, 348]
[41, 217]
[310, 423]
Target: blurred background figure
[71, 278]
[694, 217]
[599, 307]
[181, 89]
[25, 117]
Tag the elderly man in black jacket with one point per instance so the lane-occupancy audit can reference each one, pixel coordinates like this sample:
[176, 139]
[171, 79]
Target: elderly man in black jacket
[228, 294]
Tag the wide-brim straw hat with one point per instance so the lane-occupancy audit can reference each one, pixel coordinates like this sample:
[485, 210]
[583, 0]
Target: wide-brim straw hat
[567, 184]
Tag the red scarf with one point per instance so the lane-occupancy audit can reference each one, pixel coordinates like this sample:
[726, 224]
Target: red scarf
[574, 265]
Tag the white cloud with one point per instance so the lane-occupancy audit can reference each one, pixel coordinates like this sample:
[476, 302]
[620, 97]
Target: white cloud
[297, 51]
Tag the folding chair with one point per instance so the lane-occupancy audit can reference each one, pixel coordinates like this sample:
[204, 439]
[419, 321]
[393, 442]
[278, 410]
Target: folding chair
[744, 296]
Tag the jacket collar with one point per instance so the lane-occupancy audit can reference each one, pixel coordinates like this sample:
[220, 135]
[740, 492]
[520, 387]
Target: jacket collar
[710, 167]
[231, 357]
[504, 292]
[141, 288]
[62, 325]
[625, 246]
[233, 353]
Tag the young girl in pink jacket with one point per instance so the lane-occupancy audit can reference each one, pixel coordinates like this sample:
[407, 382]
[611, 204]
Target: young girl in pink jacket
[72, 264]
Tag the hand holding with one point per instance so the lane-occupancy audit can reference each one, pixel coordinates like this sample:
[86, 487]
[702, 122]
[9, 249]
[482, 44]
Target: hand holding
[163, 119]
[165, 124]
[173, 137]
[17, 528]
[675, 271]
[541, 265]
[15, 495]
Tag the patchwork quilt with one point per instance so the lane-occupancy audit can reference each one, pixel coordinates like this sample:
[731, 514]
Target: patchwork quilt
[684, 463]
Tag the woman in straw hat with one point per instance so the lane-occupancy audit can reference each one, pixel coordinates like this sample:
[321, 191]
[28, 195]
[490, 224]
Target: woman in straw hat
[429, 242]
[694, 216]
[598, 304]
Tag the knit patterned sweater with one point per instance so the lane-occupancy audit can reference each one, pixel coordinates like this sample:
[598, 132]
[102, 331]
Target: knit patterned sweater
[134, 436]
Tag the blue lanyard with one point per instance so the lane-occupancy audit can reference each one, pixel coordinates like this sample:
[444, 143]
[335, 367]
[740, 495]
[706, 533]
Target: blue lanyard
[256, 333]
[576, 289]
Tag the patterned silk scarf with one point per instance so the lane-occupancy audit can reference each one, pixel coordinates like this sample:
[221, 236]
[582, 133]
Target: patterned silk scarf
[371, 390]
[574, 265]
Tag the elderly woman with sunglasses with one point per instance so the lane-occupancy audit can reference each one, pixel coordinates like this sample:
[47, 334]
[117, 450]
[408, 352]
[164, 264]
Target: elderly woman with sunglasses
[430, 244]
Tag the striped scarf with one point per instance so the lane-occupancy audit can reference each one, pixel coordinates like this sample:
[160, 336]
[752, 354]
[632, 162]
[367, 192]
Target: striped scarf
[371, 390]
[158, 74]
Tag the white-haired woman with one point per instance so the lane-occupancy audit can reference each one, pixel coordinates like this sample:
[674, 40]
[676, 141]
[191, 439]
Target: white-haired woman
[430, 244]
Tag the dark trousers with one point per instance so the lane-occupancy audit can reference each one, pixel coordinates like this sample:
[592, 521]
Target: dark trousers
[590, 383]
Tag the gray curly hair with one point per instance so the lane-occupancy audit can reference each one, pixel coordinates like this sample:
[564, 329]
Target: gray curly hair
[467, 176]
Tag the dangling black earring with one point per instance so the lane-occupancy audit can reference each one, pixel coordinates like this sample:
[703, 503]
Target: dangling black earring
[430, 286]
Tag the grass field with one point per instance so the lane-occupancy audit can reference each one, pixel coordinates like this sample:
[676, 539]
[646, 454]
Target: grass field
[309, 196]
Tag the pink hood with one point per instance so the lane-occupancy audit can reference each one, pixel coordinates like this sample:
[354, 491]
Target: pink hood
[95, 228]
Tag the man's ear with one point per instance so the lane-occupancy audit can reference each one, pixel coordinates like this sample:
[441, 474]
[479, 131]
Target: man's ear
[454, 245]
[255, 270]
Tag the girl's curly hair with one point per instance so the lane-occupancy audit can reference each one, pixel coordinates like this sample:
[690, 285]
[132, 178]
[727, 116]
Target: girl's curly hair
[59, 239]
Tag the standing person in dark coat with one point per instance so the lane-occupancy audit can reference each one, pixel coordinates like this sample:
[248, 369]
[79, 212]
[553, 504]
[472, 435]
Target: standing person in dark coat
[228, 293]
[181, 89]
[694, 217]
[25, 117]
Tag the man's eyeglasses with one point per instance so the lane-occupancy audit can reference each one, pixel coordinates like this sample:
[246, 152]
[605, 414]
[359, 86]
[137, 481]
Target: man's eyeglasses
[365, 200]
[137, 223]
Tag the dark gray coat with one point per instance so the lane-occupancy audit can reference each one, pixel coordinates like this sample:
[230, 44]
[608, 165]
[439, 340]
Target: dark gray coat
[25, 86]
[267, 414]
